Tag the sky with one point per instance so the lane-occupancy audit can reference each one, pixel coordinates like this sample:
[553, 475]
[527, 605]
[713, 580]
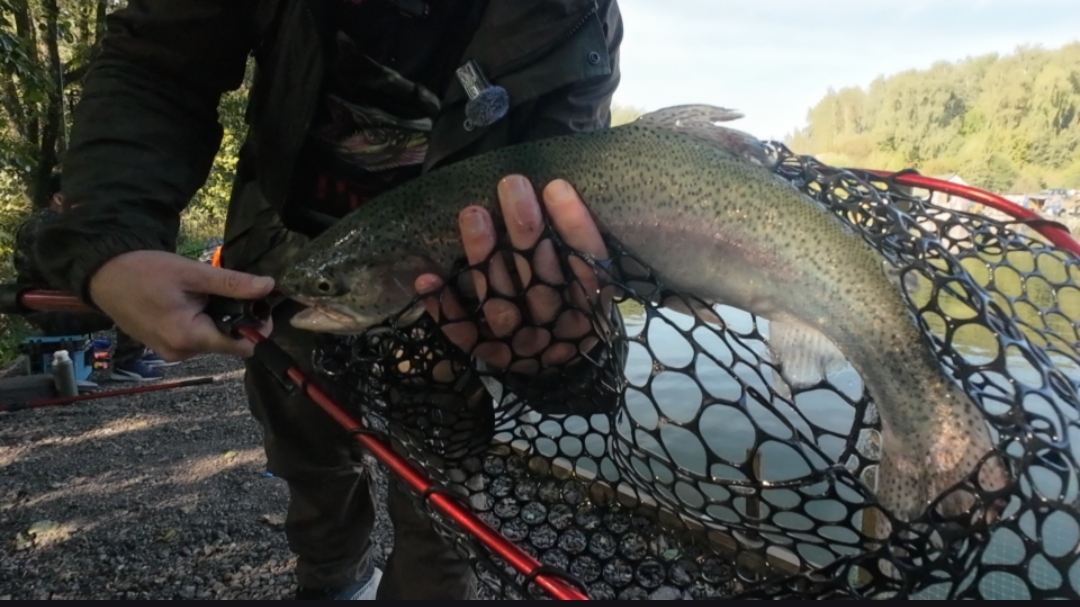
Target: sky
[775, 59]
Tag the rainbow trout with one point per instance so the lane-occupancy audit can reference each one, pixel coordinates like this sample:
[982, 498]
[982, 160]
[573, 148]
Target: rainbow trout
[691, 199]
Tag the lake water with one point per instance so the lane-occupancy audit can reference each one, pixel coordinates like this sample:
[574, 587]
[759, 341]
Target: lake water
[727, 432]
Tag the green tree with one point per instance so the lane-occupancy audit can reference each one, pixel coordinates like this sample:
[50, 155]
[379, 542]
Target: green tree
[622, 114]
[204, 216]
[1004, 122]
[45, 48]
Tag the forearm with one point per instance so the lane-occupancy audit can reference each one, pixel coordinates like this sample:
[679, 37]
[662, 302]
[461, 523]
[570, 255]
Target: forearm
[145, 133]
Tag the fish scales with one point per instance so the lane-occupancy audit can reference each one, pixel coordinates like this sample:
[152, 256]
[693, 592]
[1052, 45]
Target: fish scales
[710, 224]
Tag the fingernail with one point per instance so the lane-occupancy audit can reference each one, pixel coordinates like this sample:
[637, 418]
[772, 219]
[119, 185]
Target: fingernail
[559, 192]
[517, 191]
[514, 187]
[427, 283]
[261, 282]
[473, 223]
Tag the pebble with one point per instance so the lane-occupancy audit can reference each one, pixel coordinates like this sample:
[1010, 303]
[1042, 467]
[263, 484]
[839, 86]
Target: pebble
[665, 593]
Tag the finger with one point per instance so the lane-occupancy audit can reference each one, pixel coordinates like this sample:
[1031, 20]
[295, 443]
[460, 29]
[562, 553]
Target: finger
[524, 221]
[477, 233]
[205, 278]
[572, 324]
[544, 301]
[502, 317]
[586, 288]
[444, 307]
[526, 366]
[525, 225]
[575, 225]
[572, 219]
[478, 239]
[494, 353]
[499, 276]
[426, 286]
[546, 263]
[530, 341]
[202, 335]
[558, 353]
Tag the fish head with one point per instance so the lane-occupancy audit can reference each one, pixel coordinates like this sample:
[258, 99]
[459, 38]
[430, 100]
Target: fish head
[348, 293]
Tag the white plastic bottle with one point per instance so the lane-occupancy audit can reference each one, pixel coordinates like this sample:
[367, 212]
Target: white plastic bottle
[63, 371]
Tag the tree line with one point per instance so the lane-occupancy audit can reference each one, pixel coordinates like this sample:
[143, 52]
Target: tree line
[1008, 124]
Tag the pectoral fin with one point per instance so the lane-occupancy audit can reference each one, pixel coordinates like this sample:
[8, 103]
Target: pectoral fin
[692, 307]
[804, 354]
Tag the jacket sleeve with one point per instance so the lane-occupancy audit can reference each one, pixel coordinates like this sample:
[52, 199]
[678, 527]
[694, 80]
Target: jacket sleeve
[584, 105]
[145, 131]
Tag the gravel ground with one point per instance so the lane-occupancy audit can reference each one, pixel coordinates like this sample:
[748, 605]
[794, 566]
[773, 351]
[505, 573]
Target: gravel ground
[161, 495]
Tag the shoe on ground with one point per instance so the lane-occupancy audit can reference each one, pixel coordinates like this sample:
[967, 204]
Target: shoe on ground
[150, 359]
[364, 590]
[135, 370]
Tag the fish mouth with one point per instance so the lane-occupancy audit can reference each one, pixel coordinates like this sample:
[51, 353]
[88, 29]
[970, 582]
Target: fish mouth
[330, 319]
[321, 315]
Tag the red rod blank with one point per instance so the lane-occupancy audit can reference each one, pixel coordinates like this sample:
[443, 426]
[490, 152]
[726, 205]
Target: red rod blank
[67, 400]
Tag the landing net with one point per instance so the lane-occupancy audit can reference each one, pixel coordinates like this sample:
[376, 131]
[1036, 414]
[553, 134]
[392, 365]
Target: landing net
[671, 459]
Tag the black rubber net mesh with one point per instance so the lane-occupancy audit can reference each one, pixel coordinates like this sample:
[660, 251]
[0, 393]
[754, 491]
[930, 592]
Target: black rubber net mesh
[669, 458]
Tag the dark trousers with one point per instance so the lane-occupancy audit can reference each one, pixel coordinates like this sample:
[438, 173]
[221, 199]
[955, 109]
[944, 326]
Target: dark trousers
[331, 513]
[127, 348]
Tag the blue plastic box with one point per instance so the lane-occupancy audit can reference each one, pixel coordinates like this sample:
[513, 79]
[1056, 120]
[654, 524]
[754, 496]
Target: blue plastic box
[39, 350]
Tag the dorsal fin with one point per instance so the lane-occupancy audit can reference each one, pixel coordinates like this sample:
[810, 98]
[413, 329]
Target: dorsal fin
[699, 121]
[677, 115]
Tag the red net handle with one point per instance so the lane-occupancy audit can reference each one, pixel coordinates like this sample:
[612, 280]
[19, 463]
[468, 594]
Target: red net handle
[1055, 233]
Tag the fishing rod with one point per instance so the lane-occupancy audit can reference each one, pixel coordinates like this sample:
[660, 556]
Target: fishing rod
[241, 319]
[67, 400]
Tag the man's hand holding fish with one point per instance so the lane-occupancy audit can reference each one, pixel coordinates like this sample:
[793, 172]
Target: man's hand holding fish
[502, 318]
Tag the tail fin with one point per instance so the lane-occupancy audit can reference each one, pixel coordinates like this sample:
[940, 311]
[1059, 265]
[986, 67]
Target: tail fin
[952, 469]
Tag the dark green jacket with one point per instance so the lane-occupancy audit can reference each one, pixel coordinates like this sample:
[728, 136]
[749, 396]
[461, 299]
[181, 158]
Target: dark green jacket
[146, 129]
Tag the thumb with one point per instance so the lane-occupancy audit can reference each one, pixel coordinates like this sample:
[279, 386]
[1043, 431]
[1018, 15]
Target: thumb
[229, 283]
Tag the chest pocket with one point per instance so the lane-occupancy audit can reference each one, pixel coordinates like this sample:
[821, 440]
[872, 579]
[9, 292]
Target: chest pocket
[581, 55]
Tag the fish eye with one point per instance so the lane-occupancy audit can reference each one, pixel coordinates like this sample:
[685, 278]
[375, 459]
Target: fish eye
[324, 285]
